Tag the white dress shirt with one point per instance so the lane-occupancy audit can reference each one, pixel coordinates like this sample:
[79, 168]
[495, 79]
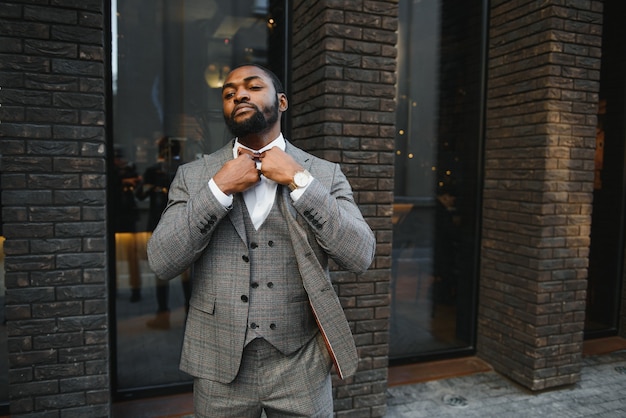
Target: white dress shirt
[260, 197]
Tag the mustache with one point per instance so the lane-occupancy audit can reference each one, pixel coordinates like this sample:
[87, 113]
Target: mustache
[255, 107]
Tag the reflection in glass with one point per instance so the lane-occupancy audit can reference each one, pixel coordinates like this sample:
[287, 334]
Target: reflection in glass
[4, 349]
[606, 253]
[169, 60]
[436, 189]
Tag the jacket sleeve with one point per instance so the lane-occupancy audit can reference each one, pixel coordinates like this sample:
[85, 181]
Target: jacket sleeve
[186, 225]
[328, 207]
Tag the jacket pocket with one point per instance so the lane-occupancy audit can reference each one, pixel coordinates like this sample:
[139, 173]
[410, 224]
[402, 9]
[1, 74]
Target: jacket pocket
[203, 302]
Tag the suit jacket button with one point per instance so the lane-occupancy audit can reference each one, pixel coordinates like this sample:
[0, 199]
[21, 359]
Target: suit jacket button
[272, 326]
[253, 325]
[244, 298]
[254, 285]
[253, 245]
[270, 285]
[245, 258]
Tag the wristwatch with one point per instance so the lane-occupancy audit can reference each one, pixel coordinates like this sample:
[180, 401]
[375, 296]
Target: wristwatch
[300, 179]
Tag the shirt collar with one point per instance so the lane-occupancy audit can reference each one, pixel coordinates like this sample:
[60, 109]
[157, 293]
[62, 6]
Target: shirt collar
[278, 142]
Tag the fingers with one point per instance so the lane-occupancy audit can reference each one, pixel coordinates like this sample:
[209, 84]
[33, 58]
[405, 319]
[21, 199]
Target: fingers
[278, 166]
[255, 156]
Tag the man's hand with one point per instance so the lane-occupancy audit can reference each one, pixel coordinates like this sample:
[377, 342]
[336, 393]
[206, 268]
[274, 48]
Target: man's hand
[279, 166]
[237, 175]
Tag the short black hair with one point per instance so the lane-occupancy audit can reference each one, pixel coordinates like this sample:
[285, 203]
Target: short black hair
[278, 85]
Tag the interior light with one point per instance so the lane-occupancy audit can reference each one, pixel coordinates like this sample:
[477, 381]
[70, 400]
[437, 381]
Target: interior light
[215, 74]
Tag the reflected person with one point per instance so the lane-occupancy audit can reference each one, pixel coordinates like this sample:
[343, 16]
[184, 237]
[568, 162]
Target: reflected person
[125, 180]
[156, 181]
[258, 221]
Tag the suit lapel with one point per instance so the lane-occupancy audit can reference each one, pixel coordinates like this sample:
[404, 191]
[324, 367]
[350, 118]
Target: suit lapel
[236, 216]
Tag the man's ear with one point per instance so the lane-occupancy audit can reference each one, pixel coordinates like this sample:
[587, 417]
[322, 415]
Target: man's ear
[283, 103]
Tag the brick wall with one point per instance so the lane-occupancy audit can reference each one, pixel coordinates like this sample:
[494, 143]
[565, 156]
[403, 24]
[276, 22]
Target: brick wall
[343, 109]
[539, 161]
[53, 199]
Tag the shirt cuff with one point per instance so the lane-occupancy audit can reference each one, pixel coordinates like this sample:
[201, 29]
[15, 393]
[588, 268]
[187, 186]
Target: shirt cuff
[224, 199]
[297, 193]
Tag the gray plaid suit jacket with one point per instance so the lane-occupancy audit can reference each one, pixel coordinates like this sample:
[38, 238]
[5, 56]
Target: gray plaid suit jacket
[196, 230]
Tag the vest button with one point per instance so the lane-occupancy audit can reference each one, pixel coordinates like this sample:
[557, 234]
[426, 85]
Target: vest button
[272, 326]
[270, 285]
[254, 285]
[253, 245]
[270, 243]
[244, 298]
[253, 325]
[245, 258]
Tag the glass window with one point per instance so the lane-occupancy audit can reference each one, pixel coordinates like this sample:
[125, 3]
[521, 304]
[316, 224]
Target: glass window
[606, 254]
[169, 60]
[4, 349]
[439, 123]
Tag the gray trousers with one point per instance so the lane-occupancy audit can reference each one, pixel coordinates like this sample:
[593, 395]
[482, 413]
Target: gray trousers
[298, 385]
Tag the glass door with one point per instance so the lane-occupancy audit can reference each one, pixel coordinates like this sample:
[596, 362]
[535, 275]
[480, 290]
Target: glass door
[169, 59]
[437, 181]
[606, 255]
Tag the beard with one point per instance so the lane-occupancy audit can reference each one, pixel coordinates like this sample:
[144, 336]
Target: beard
[254, 124]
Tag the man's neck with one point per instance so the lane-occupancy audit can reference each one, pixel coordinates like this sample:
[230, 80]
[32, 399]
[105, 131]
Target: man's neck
[259, 140]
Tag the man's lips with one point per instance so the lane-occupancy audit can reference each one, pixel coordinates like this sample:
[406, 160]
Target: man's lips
[242, 109]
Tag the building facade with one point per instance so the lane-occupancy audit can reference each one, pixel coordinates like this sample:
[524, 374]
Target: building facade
[545, 100]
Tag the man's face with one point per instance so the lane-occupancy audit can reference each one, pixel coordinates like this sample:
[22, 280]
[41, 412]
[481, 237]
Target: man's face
[250, 102]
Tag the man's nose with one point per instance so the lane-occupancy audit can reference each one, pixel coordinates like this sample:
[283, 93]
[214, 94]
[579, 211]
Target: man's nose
[242, 96]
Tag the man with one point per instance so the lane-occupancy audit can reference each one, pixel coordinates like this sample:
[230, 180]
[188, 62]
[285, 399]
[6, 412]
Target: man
[258, 221]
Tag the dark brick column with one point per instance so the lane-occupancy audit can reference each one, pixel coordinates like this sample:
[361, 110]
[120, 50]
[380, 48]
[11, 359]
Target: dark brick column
[343, 109]
[544, 61]
[622, 316]
[53, 206]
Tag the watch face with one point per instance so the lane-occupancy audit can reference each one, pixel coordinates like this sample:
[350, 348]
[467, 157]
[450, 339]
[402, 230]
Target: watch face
[301, 179]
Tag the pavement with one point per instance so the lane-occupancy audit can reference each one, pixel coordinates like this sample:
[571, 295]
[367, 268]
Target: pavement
[601, 392]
